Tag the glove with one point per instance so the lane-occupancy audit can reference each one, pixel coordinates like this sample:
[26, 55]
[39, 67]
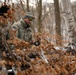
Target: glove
[37, 43]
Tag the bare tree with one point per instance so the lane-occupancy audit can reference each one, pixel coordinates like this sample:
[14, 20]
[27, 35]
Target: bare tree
[5, 1]
[28, 6]
[57, 19]
[69, 19]
[22, 5]
[39, 14]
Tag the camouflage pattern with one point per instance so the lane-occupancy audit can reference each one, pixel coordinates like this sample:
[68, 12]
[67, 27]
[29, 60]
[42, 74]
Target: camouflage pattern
[24, 31]
[4, 29]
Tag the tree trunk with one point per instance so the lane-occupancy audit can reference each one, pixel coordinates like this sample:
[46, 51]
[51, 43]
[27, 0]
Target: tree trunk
[58, 21]
[28, 6]
[69, 19]
[39, 15]
[5, 1]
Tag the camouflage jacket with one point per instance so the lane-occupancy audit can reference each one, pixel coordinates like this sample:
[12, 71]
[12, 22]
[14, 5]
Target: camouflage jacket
[24, 31]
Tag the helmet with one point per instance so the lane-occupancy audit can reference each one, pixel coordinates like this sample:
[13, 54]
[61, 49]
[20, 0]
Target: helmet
[29, 15]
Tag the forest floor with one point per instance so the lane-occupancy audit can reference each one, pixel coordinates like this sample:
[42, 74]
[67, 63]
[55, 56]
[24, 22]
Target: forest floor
[44, 59]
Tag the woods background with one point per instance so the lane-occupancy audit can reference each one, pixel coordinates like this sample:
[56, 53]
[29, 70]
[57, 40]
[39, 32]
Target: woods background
[54, 25]
[58, 18]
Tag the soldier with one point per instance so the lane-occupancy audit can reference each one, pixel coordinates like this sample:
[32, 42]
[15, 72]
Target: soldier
[23, 27]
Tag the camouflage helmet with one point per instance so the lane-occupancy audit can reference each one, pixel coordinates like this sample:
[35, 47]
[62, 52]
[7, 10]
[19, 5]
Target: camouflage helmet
[29, 15]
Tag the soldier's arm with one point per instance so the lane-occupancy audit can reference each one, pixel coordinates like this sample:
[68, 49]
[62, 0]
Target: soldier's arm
[15, 29]
[29, 34]
[15, 26]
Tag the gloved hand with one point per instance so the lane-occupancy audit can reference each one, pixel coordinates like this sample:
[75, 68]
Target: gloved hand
[37, 43]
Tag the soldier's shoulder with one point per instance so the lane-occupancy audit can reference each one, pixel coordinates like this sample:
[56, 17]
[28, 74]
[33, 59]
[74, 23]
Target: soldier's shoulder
[16, 24]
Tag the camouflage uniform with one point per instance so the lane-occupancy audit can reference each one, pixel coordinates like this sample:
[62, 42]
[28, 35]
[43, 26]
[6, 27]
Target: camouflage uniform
[24, 30]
